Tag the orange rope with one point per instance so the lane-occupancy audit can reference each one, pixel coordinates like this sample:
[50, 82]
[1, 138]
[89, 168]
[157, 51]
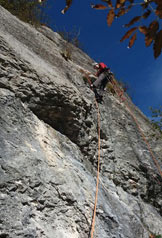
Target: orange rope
[98, 164]
[140, 130]
[145, 140]
[98, 172]
[118, 91]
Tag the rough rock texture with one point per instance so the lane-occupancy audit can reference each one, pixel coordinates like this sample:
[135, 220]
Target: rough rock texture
[48, 147]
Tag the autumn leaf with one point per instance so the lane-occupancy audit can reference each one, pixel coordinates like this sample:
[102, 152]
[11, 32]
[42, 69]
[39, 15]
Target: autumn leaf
[145, 5]
[135, 19]
[121, 12]
[98, 6]
[129, 7]
[122, 1]
[159, 10]
[132, 40]
[110, 17]
[151, 236]
[151, 33]
[121, 7]
[128, 34]
[158, 2]
[68, 4]
[154, 26]
[150, 36]
[108, 2]
[157, 47]
[143, 29]
[146, 14]
[119, 3]
[148, 40]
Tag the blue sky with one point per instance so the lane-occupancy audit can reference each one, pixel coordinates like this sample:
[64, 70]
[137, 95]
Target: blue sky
[135, 66]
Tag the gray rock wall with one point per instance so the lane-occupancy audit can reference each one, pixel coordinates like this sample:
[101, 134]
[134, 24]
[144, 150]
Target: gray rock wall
[48, 146]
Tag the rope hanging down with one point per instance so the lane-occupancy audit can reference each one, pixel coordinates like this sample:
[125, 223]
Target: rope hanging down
[98, 171]
[98, 163]
[140, 130]
[120, 93]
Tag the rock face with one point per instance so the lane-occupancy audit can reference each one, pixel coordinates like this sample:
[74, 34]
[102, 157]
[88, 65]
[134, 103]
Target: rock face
[48, 147]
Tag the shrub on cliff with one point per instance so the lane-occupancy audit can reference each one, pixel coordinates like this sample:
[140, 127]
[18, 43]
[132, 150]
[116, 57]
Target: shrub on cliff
[27, 10]
[157, 117]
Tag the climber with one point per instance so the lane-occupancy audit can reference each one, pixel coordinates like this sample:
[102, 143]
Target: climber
[103, 76]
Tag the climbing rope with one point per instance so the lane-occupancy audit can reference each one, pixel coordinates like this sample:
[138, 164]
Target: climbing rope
[98, 171]
[145, 140]
[120, 93]
[98, 161]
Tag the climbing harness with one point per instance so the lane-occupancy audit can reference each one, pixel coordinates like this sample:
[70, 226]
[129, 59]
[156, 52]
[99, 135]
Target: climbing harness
[98, 91]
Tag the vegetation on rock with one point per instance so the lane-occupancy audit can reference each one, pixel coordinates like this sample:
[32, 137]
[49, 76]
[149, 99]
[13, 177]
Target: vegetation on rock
[157, 114]
[27, 10]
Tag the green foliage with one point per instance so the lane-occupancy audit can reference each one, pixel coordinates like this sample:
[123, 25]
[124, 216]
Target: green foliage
[157, 114]
[156, 236]
[27, 10]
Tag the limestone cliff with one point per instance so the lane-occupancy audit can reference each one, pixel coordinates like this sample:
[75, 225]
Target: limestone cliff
[48, 147]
